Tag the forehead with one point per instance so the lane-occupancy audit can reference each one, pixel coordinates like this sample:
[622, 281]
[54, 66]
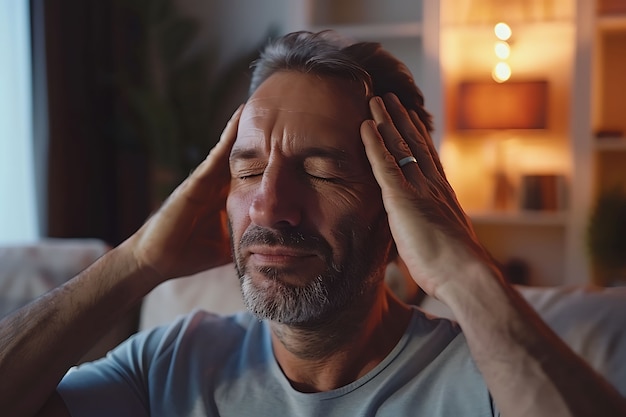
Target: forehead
[304, 106]
[325, 95]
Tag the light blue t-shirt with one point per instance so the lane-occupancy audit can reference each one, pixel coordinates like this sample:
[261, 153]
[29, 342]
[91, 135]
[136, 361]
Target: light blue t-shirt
[207, 365]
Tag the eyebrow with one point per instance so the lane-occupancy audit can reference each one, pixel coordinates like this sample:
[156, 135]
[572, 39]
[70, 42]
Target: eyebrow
[335, 154]
[242, 153]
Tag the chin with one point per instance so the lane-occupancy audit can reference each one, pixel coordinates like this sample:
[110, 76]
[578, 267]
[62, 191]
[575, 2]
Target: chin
[273, 299]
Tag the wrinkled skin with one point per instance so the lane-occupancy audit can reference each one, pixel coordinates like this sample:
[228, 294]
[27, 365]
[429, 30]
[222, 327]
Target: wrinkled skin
[309, 231]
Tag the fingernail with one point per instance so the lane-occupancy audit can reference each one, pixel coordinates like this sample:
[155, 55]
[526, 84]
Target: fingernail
[239, 109]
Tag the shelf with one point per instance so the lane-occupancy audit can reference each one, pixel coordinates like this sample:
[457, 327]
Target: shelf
[611, 22]
[520, 218]
[376, 31]
[610, 144]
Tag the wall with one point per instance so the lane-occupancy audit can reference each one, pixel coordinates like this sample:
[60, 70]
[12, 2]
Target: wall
[235, 31]
[234, 27]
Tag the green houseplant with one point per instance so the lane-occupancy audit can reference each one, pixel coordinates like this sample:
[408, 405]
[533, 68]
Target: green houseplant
[173, 98]
[606, 238]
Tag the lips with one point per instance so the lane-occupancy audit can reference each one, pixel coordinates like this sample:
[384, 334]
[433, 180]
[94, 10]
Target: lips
[278, 255]
[285, 249]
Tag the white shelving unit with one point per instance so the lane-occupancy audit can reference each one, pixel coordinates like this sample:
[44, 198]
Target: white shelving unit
[608, 99]
[522, 218]
[597, 99]
[615, 22]
[542, 48]
[610, 144]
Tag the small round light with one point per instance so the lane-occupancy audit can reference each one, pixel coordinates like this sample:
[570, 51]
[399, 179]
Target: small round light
[501, 72]
[502, 31]
[502, 49]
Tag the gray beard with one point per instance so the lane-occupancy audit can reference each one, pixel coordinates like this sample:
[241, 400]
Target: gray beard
[331, 292]
[280, 302]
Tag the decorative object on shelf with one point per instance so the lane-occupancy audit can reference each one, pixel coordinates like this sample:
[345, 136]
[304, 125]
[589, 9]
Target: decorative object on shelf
[543, 192]
[502, 107]
[610, 140]
[609, 7]
[606, 238]
[610, 133]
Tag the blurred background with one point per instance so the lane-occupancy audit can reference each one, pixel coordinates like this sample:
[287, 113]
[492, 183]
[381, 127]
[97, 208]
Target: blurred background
[106, 106]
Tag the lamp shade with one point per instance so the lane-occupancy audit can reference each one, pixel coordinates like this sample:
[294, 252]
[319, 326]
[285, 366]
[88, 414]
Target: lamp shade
[509, 105]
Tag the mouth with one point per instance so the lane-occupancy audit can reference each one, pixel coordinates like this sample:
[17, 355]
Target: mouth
[286, 255]
[264, 256]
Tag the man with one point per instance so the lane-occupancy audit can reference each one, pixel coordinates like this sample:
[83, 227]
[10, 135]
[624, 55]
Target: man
[321, 180]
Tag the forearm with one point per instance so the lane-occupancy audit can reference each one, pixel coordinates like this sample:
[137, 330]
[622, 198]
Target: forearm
[41, 341]
[528, 369]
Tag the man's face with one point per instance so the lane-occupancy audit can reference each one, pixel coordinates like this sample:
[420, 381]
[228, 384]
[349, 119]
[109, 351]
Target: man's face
[308, 228]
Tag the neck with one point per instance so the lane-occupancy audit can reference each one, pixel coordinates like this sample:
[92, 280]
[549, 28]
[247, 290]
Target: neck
[329, 355]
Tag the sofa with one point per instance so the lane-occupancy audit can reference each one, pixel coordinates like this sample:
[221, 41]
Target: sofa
[591, 320]
[28, 270]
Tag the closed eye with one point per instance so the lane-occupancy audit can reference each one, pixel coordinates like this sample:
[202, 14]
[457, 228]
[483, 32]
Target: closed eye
[321, 178]
[244, 169]
[323, 169]
[245, 176]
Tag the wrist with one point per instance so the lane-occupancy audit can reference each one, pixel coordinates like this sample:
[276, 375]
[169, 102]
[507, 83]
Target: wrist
[130, 265]
[480, 284]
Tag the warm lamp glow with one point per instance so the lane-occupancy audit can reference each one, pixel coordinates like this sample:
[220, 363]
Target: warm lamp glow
[501, 72]
[502, 31]
[502, 49]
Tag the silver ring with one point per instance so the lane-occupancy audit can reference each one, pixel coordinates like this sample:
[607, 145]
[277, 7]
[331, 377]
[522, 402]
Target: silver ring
[406, 160]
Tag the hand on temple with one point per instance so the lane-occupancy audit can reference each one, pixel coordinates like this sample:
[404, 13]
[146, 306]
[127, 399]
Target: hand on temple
[189, 233]
[431, 231]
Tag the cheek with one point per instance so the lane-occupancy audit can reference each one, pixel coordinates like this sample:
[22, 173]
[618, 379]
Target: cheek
[360, 196]
[347, 210]
[362, 203]
[325, 209]
[237, 209]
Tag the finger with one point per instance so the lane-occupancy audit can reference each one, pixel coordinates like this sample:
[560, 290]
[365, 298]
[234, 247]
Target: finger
[395, 143]
[388, 174]
[418, 139]
[391, 136]
[412, 135]
[221, 150]
[436, 163]
[421, 127]
[213, 175]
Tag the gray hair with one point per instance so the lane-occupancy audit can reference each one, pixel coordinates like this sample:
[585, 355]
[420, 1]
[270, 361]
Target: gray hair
[327, 53]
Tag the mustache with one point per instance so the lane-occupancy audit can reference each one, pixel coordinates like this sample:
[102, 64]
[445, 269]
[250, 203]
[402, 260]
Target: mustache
[287, 238]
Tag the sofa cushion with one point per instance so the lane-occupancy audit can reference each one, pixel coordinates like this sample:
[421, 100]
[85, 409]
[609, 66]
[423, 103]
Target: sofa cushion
[216, 290]
[30, 270]
[27, 271]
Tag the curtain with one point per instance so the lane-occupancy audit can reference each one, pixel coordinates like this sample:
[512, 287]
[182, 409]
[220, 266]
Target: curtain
[133, 106]
[96, 185]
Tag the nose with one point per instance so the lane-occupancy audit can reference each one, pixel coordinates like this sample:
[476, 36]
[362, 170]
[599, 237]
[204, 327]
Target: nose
[278, 202]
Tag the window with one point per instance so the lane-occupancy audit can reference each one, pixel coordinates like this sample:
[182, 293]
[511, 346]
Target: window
[18, 208]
